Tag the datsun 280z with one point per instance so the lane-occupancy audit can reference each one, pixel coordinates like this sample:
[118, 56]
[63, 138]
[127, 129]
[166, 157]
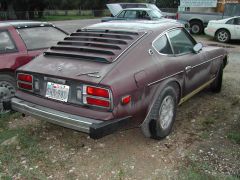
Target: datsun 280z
[111, 74]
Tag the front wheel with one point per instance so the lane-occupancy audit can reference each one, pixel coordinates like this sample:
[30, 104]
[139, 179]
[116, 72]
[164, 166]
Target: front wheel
[164, 112]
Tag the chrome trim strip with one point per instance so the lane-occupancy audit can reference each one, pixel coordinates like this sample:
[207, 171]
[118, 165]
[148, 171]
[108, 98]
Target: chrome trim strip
[188, 96]
[207, 61]
[152, 83]
[129, 46]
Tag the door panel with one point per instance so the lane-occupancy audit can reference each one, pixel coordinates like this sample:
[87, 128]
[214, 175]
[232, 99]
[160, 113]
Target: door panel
[196, 69]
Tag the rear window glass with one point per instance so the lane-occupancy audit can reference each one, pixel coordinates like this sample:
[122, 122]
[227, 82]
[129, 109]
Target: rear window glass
[41, 37]
[162, 45]
[6, 43]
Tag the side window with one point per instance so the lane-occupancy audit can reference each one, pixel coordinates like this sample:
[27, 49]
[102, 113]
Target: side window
[237, 21]
[181, 42]
[231, 21]
[162, 45]
[6, 43]
[131, 14]
[121, 15]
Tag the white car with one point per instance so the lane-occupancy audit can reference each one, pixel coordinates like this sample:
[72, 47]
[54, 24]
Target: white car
[225, 29]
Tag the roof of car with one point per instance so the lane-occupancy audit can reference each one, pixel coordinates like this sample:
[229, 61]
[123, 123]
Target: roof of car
[135, 25]
[24, 24]
[138, 9]
[134, 3]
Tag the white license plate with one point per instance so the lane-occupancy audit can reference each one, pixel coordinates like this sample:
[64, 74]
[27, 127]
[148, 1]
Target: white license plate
[57, 91]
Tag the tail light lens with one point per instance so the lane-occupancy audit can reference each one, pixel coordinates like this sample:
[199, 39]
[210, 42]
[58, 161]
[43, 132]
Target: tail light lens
[98, 102]
[25, 77]
[97, 96]
[25, 81]
[95, 91]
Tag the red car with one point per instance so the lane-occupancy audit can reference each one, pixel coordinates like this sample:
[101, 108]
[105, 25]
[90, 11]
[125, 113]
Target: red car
[21, 41]
[116, 73]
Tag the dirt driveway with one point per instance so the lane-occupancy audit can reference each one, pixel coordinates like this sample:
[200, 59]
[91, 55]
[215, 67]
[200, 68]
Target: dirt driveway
[205, 143]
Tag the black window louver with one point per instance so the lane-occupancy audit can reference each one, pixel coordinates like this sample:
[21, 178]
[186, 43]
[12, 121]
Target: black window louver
[96, 45]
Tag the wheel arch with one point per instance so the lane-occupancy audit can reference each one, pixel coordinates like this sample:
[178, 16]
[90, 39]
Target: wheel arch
[9, 72]
[170, 82]
[225, 61]
[196, 20]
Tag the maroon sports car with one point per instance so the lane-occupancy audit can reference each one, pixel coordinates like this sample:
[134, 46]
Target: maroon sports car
[20, 42]
[112, 74]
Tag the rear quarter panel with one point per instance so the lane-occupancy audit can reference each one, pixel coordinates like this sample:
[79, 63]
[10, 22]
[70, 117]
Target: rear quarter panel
[132, 76]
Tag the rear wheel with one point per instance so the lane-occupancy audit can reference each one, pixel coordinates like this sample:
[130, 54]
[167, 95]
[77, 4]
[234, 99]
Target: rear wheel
[222, 35]
[196, 27]
[7, 88]
[164, 113]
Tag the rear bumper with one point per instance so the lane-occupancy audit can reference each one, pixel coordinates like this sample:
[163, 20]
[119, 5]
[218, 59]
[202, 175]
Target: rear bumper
[95, 128]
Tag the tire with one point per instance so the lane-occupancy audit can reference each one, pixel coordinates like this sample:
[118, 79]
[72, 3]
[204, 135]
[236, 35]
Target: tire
[7, 86]
[164, 113]
[216, 85]
[222, 35]
[196, 27]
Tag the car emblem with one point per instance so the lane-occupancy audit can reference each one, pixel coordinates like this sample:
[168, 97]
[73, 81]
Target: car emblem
[60, 67]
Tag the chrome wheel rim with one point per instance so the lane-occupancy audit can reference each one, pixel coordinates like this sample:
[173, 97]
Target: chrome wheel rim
[7, 90]
[195, 29]
[222, 36]
[166, 112]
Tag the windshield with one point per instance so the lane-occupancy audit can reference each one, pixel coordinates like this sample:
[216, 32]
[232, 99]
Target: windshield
[154, 7]
[41, 37]
[155, 14]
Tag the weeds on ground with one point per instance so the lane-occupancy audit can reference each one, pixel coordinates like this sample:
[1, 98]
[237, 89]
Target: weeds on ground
[18, 157]
[234, 137]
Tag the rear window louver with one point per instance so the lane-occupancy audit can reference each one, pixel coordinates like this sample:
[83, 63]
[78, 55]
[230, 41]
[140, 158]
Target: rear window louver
[96, 45]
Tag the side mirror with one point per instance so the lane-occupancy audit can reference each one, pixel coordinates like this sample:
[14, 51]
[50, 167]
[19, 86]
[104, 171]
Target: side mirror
[198, 47]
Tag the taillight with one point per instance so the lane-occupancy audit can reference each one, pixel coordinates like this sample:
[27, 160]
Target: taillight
[97, 96]
[95, 91]
[25, 81]
[98, 102]
[25, 77]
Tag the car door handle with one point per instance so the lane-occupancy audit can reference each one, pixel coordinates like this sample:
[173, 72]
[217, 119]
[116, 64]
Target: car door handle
[188, 68]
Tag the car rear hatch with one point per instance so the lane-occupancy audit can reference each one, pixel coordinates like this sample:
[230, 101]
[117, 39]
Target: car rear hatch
[87, 54]
[83, 58]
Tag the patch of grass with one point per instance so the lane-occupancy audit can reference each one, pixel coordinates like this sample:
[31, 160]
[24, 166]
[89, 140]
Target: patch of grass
[193, 173]
[234, 137]
[62, 17]
[5, 118]
[209, 121]
[27, 146]
[205, 135]
[121, 174]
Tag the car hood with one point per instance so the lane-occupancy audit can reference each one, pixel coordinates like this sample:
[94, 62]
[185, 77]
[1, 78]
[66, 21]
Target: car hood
[76, 69]
[114, 8]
